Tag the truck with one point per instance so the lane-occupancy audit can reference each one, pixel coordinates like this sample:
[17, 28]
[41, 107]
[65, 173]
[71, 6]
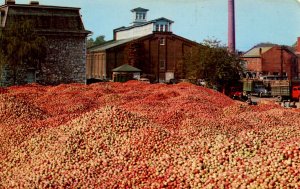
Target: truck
[235, 92]
[255, 87]
[285, 90]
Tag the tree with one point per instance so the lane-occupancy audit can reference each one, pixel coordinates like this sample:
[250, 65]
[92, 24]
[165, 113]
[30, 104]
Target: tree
[20, 46]
[98, 41]
[90, 42]
[213, 63]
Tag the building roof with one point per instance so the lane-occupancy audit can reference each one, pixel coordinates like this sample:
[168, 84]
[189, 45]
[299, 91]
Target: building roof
[256, 52]
[123, 28]
[45, 18]
[126, 68]
[110, 44]
[139, 9]
[161, 18]
[113, 43]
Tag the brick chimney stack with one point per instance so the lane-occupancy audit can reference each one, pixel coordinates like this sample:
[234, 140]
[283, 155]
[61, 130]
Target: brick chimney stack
[298, 46]
[231, 26]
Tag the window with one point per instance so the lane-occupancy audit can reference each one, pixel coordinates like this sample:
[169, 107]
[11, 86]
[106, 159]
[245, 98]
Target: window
[162, 41]
[161, 28]
[144, 16]
[166, 28]
[162, 64]
[157, 27]
[31, 76]
[1, 16]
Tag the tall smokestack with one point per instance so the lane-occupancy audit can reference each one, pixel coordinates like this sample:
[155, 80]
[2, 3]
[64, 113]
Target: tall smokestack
[231, 26]
[298, 46]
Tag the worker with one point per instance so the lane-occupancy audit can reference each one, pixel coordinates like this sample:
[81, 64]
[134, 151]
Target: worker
[249, 101]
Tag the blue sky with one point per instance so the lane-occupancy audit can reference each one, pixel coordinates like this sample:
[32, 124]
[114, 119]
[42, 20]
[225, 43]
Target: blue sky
[276, 21]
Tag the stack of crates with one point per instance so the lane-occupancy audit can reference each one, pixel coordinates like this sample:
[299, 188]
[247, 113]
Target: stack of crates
[280, 88]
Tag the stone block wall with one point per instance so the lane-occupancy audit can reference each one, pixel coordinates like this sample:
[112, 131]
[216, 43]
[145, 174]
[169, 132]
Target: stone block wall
[7, 76]
[65, 61]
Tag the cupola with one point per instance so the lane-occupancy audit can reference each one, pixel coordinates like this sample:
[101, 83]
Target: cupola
[139, 15]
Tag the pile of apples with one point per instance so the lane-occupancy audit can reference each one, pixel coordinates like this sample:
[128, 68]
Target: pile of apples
[138, 135]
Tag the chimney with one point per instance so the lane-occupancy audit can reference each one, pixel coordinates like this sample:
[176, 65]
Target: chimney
[298, 45]
[260, 51]
[231, 26]
[10, 2]
[35, 3]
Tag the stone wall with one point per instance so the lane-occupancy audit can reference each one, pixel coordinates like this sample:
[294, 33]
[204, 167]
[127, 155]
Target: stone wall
[65, 62]
[7, 77]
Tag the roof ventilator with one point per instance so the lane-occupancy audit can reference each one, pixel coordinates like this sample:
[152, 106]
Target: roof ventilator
[10, 2]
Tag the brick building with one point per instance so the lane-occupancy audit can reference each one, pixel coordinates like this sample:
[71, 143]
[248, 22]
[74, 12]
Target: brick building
[149, 46]
[272, 60]
[65, 37]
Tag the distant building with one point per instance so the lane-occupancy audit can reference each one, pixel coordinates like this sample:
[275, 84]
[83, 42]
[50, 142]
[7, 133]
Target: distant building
[272, 60]
[65, 38]
[147, 45]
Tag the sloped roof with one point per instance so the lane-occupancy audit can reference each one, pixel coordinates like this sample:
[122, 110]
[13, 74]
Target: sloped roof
[255, 52]
[139, 9]
[110, 44]
[126, 68]
[123, 28]
[46, 18]
[161, 18]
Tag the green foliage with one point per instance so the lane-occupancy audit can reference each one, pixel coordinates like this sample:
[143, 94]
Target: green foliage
[212, 62]
[90, 42]
[21, 46]
[98, 41]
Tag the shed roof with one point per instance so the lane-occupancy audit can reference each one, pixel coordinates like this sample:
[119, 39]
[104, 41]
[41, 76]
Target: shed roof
[256, 52]
[126, 68]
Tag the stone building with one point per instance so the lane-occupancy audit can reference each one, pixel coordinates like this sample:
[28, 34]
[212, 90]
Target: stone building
[272, 60]
[150, 46]
[65, 37]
